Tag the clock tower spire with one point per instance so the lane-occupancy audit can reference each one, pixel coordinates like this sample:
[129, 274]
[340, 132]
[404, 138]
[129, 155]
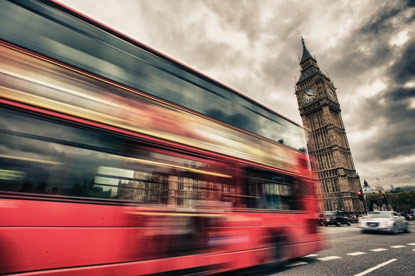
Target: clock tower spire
[306, 54]
[327, 142]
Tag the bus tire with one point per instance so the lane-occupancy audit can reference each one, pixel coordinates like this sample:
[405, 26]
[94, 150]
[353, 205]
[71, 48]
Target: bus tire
[279, 251]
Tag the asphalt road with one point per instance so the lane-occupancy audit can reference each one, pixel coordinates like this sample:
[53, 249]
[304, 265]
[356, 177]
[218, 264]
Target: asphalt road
[354, 253]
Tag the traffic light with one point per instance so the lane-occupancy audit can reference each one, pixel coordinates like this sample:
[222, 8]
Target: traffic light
[360, 195]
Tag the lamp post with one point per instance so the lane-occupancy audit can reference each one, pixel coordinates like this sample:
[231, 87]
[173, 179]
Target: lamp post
[361, 197]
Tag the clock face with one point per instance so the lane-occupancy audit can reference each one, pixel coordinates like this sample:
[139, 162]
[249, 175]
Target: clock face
[330, 92]
[308, 95]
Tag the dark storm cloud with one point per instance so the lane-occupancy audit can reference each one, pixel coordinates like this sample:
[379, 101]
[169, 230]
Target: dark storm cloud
[397, 137]
[357, 55]
[381, 22]
[393, 107]
[401, 94]
[368, 47]
[394, 103]
[404, 70]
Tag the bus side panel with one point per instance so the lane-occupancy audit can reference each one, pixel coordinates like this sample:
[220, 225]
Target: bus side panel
[33, 248]
[42, 235]
[54, 213]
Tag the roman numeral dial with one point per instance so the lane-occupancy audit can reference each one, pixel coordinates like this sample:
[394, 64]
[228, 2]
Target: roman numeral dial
[308, 95]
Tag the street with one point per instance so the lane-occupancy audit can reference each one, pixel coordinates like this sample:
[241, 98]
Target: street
[352, 253]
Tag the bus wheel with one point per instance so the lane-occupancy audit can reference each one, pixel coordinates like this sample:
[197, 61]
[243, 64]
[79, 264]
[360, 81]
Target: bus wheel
[279, 250]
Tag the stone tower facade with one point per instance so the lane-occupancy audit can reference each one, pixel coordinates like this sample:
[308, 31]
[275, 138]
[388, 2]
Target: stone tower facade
[327, 142]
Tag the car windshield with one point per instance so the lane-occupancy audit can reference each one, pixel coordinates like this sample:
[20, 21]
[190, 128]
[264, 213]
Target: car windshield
[329, 214]
[379, 215]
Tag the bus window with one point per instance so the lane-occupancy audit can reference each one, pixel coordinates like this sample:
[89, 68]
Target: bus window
[39, 156]
[270, 190]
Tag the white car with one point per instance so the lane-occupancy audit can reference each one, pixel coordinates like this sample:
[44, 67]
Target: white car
[383, 221]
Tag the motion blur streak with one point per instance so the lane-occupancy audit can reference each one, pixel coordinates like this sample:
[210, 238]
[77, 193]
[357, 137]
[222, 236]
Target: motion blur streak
[36, 82]
[29, 159]
[117, 160]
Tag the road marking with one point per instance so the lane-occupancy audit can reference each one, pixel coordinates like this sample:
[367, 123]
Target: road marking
[356, 253]
[412, 243]
[378, 249]
[296, 264]
[413, 249]
[397, 246]
[328, 258]
[375, 267]
[311, 255]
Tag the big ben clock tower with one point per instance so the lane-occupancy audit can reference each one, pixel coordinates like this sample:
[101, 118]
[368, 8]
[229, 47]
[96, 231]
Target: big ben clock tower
[321, 114]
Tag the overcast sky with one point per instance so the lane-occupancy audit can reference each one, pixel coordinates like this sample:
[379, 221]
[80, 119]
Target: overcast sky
[367, 48]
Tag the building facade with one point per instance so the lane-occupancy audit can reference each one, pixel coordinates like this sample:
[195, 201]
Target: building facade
[327, 142]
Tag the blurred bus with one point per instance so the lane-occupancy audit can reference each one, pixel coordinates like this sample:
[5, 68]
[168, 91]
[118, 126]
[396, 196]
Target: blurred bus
[118, 160]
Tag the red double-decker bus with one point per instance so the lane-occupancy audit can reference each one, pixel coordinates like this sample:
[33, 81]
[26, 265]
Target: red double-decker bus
[118, 160]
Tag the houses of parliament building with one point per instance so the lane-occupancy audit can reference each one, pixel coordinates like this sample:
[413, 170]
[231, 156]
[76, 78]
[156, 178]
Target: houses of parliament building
[327, 142]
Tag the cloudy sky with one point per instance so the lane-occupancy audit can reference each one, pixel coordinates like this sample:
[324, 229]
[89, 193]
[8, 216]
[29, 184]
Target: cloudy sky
[366, 47]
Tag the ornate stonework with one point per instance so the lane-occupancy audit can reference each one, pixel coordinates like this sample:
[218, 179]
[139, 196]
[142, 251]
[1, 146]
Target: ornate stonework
[320, 112]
